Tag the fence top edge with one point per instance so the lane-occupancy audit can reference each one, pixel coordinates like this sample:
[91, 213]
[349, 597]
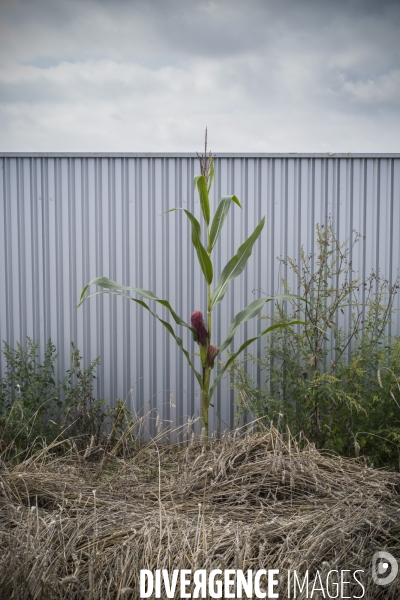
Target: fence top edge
[194, 155]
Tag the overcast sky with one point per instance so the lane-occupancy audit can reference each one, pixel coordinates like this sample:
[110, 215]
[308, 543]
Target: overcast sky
[149, 75]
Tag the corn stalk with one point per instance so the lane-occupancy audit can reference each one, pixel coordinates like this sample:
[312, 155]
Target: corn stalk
[200, 330]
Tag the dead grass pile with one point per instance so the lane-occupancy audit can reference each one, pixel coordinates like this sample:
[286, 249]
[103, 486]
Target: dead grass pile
[69, 531]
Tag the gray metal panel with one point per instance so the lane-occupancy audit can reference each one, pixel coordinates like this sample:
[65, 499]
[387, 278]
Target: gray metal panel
[67, 218]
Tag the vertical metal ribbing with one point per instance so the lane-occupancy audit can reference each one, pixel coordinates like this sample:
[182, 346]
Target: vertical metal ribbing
[193, 206]
[84, 317]
[338, 182]
[22, 250]
[190, 386]
[272, 202]
[285, 217]
[181, 410]
[165, 336]
[67, 220]
[259, 215]
[325, 186]
[45, 250]
[154, 327]
[8, 321]
[363, 232]
[237, 215]
[244, 279]
[378, 217]
[34, 248]
[338, 216]
[59, 267]
[221, 187]
[138, 272]
[72, 251]
[114, 342]
[270, 246]
[396, 240]
[390, 226]
[349, 235]
[298, 223]
[312, 211]
[126, 253]
[2, 256]
[99, 271]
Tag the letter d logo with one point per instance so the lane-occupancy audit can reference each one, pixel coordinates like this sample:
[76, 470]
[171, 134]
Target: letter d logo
[385, 564]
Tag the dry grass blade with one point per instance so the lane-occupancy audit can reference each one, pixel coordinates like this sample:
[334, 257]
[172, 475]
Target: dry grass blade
[247, 501]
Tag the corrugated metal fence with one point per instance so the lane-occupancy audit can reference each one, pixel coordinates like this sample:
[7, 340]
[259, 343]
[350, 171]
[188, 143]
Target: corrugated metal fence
[67, 218]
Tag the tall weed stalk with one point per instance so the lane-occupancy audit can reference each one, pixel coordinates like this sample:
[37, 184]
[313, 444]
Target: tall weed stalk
[321, 376]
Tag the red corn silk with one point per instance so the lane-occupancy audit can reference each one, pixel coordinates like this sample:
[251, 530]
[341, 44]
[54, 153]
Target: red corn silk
[198, 324]
[212, 353]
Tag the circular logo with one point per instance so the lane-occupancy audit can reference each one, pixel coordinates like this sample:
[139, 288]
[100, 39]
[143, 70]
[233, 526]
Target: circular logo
[384, 568]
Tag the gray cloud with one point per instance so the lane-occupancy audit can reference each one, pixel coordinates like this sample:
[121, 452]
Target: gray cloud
[148, 76]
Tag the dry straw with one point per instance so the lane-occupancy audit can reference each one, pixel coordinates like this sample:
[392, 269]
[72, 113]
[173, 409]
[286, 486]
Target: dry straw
[247, 501]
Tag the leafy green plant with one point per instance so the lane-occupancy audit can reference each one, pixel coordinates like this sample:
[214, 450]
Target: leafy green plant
[321, 378]
[81, 413]
[28, 394]
[378, 434]
[35, 409]
[204, 242]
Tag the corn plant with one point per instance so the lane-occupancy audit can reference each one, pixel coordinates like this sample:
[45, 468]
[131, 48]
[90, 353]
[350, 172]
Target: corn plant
[201, 330]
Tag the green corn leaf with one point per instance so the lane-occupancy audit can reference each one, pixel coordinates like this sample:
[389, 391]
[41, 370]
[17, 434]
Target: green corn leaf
[244, 315]
[107, 283]
[242, 347]
[220, 216]
[251, 311]
[113, 288]
[201, 184]
[211, 175]
[204, 259]
[236, 265]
